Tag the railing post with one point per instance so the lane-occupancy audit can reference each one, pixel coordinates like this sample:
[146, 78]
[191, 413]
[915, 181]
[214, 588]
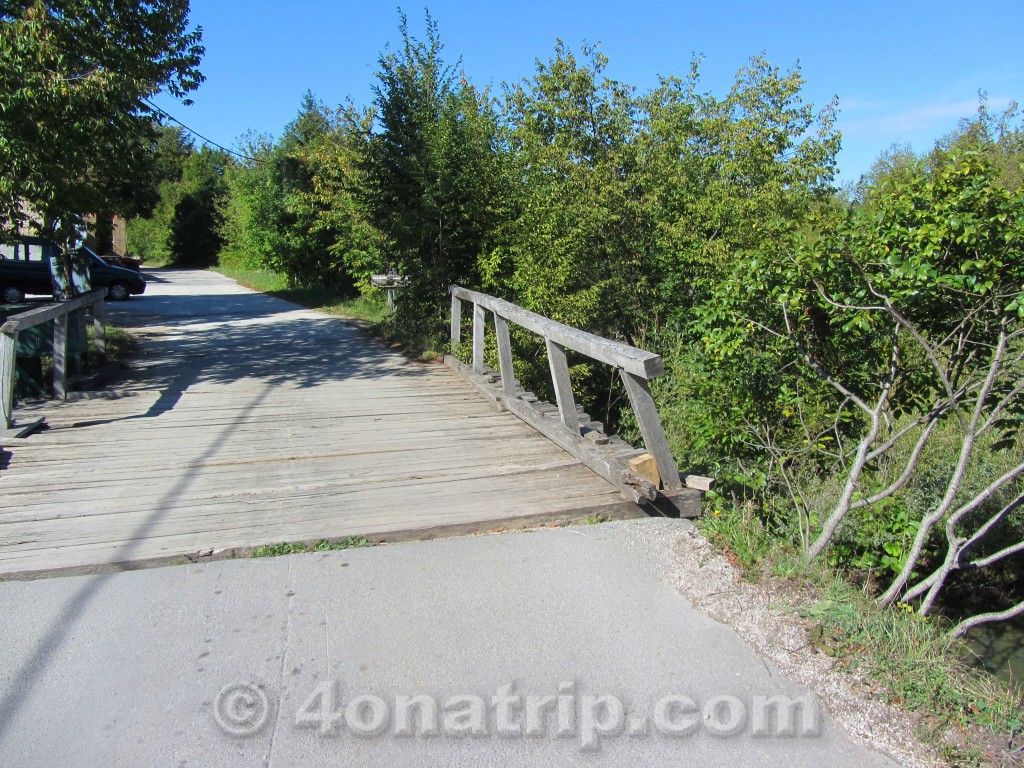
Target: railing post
[99, 330]
[8, 348]
[655, 442]
[508, 376]
[479, 319]
[60, 356]
[563, 385]
[456, 334]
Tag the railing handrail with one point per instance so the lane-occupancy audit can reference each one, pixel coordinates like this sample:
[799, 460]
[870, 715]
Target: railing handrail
[60, 313]
[640, 362]
[636, 368]
[33, 317]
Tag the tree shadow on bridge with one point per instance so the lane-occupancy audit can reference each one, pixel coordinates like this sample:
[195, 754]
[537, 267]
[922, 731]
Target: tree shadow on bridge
[252, 338]
[23, 680]
[237, 338]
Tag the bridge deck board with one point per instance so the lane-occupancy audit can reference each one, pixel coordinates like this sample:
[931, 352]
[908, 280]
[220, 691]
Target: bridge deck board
[248, 421]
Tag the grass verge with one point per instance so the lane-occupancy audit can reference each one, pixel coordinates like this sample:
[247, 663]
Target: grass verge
[972, 718]
[324, 545]
[325, 300]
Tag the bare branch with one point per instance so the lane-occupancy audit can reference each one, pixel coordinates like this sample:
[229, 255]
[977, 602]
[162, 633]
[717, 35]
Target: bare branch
[985, 618]
[907, 471]
[996, 557]
[860, 460]
[991, 523]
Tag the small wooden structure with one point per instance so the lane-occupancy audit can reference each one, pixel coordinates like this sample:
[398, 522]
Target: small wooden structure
[573, 430]
[60, 314]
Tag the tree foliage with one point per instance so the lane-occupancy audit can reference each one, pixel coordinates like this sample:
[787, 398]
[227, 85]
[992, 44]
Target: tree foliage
[884, 331]
[74, 122]
[431, 175]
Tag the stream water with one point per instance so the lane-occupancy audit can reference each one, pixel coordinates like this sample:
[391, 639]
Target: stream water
[1000, 649]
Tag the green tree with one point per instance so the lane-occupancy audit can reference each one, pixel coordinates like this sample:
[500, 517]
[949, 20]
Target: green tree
[74, 121]
[431, 176]
[729, 176]
[335, 201]
[194, 235]
[576, 246]
[894, 332]
[182, 228]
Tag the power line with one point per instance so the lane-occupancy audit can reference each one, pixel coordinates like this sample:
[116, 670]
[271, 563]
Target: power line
[196, 133]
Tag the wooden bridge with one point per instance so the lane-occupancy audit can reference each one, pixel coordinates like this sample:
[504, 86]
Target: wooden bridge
[247, 421]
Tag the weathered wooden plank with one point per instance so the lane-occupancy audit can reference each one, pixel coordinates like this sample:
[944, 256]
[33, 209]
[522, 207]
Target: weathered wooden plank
[34, 317]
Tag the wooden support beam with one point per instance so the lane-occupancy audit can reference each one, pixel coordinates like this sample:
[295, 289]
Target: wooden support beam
[8, 347]
[60, 356]
[655, 442]
[508, 377]
[634, 487]
[99, 330]
[479, 320]
[563, 386]
[456, 329]
[698, 482]
[646, 466]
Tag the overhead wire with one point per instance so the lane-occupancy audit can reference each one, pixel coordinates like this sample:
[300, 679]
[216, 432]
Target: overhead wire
[196, 133]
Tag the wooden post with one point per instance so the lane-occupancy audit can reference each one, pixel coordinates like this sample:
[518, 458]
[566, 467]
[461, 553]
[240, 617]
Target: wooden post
[479, 319]
[60, 356]
[99, 330]
[563, 385]
[456, 323]
[640, 397]
[508, 377]
[8, 347]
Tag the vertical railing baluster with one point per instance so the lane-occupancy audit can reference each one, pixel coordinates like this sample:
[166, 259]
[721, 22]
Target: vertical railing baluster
[479, 319]
[8, 360]
[60, 356]
[655, 442]
[563, 385]
[99, 330]
[456, 329]
[508, 376]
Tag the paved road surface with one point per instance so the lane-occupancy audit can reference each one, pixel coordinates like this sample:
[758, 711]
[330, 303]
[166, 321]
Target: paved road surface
[131, 669]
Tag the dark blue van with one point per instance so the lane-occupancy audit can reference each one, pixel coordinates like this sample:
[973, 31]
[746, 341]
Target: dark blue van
[25, 268]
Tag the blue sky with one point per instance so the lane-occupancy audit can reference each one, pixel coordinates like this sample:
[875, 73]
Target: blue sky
[904, 72]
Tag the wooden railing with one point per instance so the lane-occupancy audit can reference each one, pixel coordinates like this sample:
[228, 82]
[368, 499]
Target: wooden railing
[60, 314]
[636, 367]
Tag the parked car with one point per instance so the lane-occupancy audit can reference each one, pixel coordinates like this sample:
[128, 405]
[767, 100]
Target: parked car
[128, 262]
[25, 268]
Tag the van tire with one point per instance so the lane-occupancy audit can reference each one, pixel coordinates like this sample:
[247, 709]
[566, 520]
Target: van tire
[12, 294]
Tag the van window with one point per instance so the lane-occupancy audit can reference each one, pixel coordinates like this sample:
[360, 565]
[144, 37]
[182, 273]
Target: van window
[9, 251]
[36, 252]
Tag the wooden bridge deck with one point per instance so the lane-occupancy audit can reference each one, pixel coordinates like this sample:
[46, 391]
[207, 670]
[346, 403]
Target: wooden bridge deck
[249, 421]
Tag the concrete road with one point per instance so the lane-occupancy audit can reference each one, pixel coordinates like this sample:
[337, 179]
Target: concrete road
[550, 647]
